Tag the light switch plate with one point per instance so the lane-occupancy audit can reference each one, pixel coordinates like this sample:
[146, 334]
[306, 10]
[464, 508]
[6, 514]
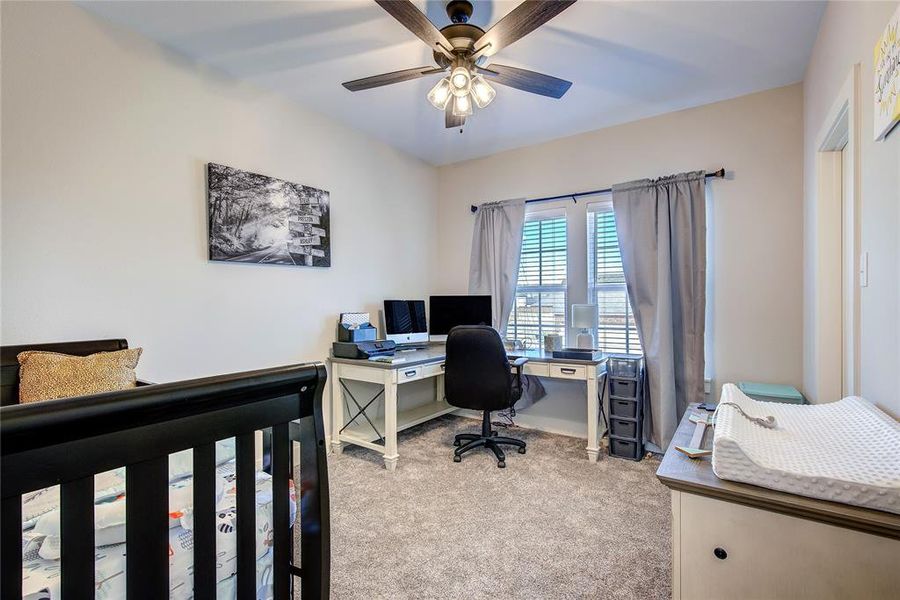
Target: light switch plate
[863, 269]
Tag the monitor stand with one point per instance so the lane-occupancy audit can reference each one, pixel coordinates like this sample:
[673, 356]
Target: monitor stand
[409, 347]
[408, 339]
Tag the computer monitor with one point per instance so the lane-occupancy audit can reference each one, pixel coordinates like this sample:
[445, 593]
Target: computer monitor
[404, 321]
[446, 312]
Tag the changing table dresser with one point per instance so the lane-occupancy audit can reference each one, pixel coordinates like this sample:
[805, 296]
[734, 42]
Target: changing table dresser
[733, 540]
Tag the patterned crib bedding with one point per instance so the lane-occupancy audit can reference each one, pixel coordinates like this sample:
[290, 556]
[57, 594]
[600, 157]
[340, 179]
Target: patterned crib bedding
[40, 511]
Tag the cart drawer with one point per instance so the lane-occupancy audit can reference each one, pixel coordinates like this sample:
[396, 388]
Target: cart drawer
[622, 407]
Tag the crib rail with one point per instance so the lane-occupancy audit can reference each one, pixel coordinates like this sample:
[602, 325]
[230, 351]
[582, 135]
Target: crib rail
[67, 441]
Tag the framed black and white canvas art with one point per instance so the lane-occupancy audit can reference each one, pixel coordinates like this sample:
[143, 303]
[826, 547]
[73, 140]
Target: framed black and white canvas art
[254, 218]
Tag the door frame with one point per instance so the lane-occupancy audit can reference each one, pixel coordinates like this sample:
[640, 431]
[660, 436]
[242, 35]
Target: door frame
[837, 241]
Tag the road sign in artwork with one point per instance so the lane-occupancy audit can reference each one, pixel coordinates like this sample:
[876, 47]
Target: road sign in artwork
[308, 209]
[306, 250]
[306, 232]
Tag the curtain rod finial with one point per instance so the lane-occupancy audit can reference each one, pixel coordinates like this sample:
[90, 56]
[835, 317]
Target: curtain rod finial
[474, 208]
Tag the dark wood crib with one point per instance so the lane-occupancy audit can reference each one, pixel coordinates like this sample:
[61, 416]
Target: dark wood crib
[68, 441]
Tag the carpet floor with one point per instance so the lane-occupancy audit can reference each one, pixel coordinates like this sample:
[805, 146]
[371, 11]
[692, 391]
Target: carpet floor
[549, 525]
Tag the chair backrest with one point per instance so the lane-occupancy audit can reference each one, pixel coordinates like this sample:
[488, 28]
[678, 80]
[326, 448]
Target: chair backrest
[9, 364]
[476, 371]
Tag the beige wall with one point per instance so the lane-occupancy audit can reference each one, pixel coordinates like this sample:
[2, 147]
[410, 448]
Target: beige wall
[847, 36]
[105, 140]
[755, 221]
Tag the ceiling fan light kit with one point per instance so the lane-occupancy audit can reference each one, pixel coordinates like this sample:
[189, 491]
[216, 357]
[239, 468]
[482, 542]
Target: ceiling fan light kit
[440, 94]
[463, 48]
[482, 91]
[462, 106]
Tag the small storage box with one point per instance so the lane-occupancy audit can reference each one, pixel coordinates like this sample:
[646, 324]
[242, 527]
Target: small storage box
[623, 388]
[623, 428]
[621, 407]
[768, 392]
[619, 366]
[625, 448]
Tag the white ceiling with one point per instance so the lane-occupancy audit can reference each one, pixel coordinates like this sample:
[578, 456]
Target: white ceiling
[628, 60]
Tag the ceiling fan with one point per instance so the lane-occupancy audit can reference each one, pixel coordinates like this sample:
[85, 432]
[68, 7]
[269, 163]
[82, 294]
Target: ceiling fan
[463, 48]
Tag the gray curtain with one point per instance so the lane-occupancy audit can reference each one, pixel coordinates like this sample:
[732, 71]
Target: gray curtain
[494, 270]
[494, 264]
[661, 226]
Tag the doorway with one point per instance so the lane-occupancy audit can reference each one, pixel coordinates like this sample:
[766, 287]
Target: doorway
[836, 255]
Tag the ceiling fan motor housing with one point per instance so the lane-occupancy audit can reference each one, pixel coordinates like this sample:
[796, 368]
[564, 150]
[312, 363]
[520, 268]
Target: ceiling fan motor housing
[462, 36]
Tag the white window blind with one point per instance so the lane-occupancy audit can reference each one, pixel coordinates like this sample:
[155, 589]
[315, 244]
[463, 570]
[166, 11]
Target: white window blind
[540, 306]
[616, 331]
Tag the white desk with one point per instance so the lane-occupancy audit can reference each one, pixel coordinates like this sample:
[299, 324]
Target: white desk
[429, 363]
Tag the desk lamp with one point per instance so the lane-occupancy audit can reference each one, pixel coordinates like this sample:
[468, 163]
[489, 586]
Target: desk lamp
[584, 317]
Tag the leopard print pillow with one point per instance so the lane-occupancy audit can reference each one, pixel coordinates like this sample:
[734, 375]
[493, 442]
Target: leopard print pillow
[50, 375]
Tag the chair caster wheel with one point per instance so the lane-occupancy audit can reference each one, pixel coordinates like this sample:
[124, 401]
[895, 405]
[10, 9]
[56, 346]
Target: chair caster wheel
[457, 458]
[501, 464]
[521, 450]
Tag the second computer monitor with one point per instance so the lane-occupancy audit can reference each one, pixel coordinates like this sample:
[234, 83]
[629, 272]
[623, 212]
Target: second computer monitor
[446, 312]
[404, 321]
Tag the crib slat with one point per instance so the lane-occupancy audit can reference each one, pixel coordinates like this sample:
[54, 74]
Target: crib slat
[281, 511]
[147, 529]
[205, 522]
[245, 469]
[76, 528]
[11, 547]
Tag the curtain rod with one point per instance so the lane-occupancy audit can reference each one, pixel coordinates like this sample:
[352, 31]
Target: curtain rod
[720, 174]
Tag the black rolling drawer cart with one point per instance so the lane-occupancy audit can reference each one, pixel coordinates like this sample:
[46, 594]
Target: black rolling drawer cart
[625, 376]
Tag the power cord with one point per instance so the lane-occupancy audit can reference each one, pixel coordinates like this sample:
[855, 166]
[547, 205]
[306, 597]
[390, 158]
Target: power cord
[508, 415]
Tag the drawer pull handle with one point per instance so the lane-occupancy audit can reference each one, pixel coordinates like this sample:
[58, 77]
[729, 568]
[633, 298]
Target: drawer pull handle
[720, 553]
[568, 371]
[409, 373]
[443, 366]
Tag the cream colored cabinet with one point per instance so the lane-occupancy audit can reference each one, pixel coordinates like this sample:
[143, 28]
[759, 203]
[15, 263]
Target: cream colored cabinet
[722, 549]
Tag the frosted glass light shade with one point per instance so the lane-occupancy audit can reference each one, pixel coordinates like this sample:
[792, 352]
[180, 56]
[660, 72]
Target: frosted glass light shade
[440, 94]
[482, 91]
[460, 81]
[462, 106]
[584, 316]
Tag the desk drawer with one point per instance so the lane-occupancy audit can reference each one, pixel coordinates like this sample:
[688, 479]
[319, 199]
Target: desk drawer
[567, 371]
[429, 370]
[538, 369]
[405, 374]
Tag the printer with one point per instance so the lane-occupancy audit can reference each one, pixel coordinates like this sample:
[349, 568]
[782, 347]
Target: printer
[364, 349]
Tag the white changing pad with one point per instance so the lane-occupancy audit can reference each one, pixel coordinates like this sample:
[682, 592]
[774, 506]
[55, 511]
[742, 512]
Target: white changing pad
[846, 451]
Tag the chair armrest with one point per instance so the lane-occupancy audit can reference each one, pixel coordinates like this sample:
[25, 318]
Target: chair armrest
[519, 361]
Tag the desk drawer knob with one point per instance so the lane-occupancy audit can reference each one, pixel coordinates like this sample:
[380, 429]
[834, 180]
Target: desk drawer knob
[720, 553]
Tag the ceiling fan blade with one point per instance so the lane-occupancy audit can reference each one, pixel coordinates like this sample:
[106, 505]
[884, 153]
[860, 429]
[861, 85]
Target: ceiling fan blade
[388, 78]
[451, 120]
[528, 81]
[520, 21]
[414, 20]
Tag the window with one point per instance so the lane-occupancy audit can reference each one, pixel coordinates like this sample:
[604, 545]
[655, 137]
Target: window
[540, 306]
[616, 331]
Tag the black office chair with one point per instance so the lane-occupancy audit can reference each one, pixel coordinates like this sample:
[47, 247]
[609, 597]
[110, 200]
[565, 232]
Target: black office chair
[477, 376]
